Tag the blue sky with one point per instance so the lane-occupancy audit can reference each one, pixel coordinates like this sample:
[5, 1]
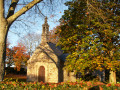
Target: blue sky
[32, 22]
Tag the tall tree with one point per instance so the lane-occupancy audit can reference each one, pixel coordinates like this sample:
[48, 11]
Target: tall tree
[20, 56]
[90, 33]
[6, 22]
[31, 41]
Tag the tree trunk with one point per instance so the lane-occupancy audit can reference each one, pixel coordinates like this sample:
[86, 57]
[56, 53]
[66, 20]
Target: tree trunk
[5, 24]
[112, 77]
[4, 27]
[103, 77]
[3, 35]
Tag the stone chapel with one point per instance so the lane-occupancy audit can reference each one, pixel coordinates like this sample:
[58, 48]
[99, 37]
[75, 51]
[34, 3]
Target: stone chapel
[47, 62]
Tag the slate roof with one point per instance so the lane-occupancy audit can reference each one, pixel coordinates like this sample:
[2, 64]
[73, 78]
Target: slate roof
[63, 56]
[57, 50]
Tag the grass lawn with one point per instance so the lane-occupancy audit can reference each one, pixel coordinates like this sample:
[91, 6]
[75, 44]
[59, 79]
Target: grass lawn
[20, 78]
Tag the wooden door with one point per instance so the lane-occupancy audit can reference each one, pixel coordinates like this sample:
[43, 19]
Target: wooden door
[41, 76]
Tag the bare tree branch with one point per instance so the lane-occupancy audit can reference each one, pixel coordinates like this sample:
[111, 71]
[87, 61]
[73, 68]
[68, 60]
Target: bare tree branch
[22, 11]
[40, 10]
[12, 8]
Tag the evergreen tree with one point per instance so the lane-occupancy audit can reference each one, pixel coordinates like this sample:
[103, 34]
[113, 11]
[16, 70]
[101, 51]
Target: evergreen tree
[90, 34]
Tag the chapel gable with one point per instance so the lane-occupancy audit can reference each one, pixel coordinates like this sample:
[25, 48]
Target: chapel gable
[47, 62]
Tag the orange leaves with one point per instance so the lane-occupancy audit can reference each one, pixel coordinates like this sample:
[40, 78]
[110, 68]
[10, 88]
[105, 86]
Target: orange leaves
[54, 35]
[89, 33]
[87, 13]
[20, 56]
[108, 85]
[109, 64]
[20, 48]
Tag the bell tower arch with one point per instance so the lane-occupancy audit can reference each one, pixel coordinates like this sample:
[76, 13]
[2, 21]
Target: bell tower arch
[45, 31]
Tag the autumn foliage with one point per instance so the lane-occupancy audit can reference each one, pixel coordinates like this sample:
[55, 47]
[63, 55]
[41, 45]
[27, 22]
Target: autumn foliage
[82, 85]
[90, 33]
[54, 35]
[20, 56]
[17, 55]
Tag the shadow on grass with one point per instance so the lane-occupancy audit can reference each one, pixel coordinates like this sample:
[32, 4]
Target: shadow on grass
[12, 77]
[94, 88]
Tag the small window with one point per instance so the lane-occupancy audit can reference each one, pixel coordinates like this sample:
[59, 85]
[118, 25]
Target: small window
[43, 29]
[68, 74]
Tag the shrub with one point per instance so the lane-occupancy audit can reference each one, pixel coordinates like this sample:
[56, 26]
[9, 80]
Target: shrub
[15, 85]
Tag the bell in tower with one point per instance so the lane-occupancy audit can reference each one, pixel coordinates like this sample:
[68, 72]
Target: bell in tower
[45, 31]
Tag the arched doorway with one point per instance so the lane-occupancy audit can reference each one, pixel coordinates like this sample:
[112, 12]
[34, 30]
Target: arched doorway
[41, 74]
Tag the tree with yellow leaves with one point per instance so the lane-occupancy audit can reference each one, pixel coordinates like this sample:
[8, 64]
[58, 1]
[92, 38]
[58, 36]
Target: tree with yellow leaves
[90, 34]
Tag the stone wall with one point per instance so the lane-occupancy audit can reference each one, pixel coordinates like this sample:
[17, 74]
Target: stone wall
[51, 72]
[69, 76]
[33, 69]
[45, 56]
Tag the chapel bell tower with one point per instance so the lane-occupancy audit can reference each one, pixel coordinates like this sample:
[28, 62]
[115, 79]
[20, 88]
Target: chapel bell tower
[45, 32]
